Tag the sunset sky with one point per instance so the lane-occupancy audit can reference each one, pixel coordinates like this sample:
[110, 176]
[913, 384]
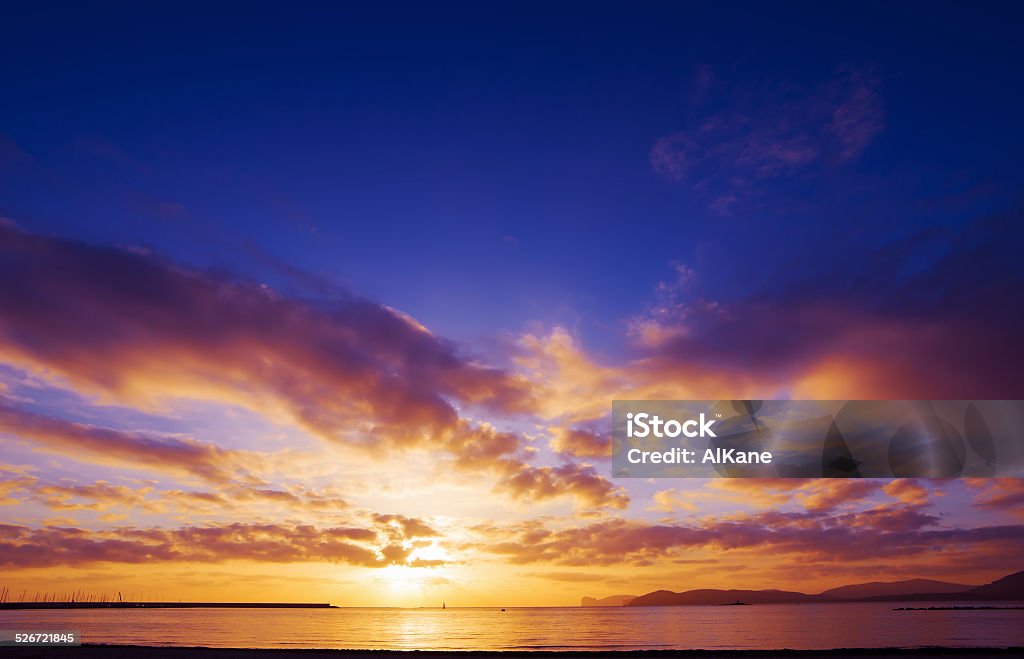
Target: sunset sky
[317, 303]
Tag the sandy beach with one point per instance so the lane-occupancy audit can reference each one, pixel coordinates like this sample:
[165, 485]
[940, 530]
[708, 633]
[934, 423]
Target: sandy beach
[144, 652]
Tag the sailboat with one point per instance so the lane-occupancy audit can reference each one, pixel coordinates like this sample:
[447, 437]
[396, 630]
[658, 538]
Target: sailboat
[442, 606]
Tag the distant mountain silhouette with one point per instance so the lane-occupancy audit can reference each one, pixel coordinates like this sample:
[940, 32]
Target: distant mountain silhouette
[711, 596]
[1010, 587]
[612, 600]
[887, 588]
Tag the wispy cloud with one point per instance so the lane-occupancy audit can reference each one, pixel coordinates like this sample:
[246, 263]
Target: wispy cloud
[884, 532]
[999, 493]
[385, 543]
[747, 135]
[188, 457]
[129, 326]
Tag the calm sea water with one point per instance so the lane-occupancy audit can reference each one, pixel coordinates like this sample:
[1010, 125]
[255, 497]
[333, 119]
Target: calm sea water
[767, 626]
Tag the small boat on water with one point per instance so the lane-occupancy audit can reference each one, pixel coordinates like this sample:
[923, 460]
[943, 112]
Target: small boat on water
[736, 603]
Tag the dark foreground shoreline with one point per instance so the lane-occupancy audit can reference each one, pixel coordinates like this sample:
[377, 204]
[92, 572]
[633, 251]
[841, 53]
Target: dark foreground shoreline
[148, 652]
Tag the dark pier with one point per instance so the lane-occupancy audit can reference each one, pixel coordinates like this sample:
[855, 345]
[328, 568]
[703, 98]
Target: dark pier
[9, 606]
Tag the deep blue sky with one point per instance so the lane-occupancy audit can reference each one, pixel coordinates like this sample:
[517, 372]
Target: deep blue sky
[486, 165]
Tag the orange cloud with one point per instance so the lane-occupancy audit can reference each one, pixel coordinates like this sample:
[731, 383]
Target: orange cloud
[385, 544]
[758, 492]
[574, 387]
[483, 448]
[827, 494]
[579, 481]
[880, 334]
[99, 496]
[909, 491]
[186, 456]
[820, 495]
[13, 480]
[130, 326]
[581, 443]
[882, 533]
[999, 493]
[670, 500]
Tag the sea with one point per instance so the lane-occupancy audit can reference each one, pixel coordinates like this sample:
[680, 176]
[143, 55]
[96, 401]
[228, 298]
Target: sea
[762, 626]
